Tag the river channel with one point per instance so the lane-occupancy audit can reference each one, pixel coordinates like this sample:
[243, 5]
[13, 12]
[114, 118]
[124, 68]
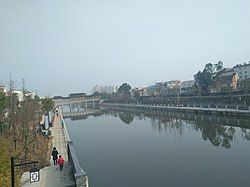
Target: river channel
[121, 148]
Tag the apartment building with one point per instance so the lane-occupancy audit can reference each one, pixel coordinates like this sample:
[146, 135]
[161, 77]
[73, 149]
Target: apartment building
[243, 71]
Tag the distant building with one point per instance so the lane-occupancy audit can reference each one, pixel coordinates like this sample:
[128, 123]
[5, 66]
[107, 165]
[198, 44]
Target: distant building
[186, 87]
[243, 71]
[172, 88]
[105, 89]
[20, 95]
[152, 90]
[97, 89]
[227, 80]
[77, 95]
[140, 92]
[57, 97]
[2, 89]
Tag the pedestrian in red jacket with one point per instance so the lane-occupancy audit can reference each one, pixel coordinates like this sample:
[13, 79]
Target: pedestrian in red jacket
[60, 162]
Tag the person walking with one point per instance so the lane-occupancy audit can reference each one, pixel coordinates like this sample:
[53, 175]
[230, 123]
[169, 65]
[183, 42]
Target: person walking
[60, 162]
[54, 155]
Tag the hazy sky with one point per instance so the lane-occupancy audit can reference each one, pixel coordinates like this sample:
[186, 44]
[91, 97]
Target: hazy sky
[63, 46]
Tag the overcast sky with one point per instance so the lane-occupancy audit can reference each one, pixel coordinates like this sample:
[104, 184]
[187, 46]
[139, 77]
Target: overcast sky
[63, 46]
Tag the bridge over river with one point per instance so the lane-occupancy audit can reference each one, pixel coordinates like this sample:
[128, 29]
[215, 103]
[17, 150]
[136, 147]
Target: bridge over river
[79, 102]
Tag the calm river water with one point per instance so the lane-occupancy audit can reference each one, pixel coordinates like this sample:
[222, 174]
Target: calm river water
[138, 149]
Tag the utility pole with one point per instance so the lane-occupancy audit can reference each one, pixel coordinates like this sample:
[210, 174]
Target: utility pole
[12, 123]
[25, 122]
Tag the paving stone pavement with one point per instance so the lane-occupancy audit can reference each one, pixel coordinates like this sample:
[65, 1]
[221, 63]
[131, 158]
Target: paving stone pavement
[52, 176]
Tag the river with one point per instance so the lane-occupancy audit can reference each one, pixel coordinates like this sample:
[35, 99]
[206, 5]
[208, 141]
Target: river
[151, 149]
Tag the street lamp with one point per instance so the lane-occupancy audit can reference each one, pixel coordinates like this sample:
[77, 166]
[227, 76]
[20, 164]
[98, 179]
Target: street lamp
[34, 173]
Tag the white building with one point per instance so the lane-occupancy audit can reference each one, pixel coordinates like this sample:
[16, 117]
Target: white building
[105, 89]
[186, 86]
[3, 89]
[20, 94]
[243, 71]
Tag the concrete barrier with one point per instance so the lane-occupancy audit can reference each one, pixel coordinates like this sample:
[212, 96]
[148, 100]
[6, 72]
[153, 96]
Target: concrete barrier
[80, 175]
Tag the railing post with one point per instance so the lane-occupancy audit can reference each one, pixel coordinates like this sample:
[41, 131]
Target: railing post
[237, 107]
[68, 150]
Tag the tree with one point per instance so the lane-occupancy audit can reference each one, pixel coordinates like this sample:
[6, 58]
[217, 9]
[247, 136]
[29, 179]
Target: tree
[3, 107]
[47, 105]
[96, 94]
[208, 76]
[126, 117]
[124, 88]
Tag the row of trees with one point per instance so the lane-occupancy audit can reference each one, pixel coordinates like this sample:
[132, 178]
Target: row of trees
[19, 121]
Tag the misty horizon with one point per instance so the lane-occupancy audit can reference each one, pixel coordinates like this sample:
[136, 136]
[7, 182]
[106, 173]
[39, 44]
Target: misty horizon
[63, 47]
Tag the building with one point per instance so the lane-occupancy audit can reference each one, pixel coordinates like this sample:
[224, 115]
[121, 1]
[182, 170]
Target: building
[172, 88]
[77, 95]
[2, 89]
[20, 95]
[140, 92]
[243, 71]
[186, 87]
[105, 89]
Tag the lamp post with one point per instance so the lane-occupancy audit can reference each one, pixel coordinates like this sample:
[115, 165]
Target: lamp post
[34, 173]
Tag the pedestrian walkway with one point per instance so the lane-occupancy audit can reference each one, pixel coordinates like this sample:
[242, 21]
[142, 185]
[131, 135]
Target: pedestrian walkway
[51, 176]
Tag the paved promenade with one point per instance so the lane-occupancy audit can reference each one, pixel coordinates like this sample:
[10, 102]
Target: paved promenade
[51, 176]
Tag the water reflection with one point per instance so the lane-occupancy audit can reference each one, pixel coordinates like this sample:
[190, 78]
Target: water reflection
[126, 117]
[217, 134]
[152, 148]
[220, 131]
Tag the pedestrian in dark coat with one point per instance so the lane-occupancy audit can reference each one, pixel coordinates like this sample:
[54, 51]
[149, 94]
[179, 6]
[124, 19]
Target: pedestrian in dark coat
[61, 162]
[54, 155]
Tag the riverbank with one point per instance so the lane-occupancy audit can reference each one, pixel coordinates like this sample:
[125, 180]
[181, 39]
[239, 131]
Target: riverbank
[51, 176]
[229, 100]
[215, 110]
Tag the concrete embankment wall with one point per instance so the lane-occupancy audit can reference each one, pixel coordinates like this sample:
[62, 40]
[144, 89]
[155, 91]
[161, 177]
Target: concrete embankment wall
[193, 109]
[80, 175]
[186, 116]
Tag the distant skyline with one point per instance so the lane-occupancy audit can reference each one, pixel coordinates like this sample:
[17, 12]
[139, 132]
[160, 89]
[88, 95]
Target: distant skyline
[61, 46]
